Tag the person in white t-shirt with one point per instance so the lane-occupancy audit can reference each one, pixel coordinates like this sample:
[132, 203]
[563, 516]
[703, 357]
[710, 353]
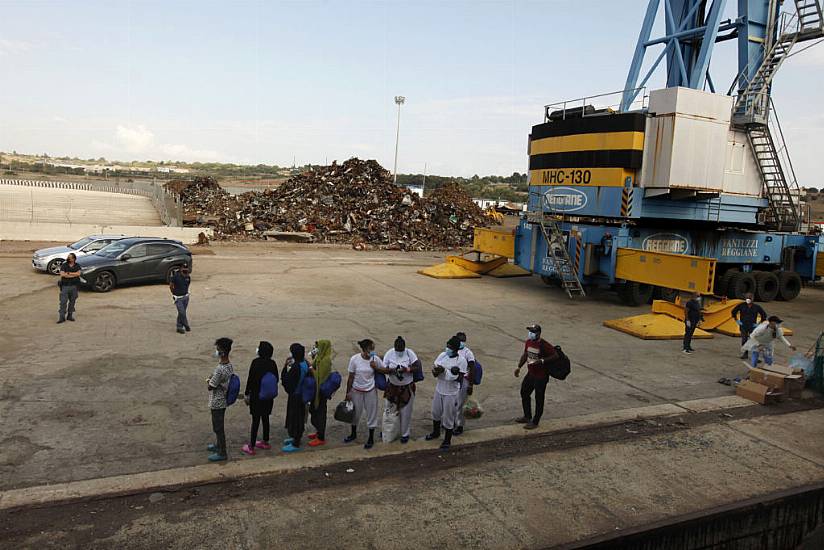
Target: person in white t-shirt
[361, 390]
[448, 370]
[398, 364]
[466, 385]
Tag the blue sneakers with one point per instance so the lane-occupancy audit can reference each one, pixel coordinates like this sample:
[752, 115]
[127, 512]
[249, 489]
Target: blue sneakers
[211, 447]
[289, 448]
[217, 457]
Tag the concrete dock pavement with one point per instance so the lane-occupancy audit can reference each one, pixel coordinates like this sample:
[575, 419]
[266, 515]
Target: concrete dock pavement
[547, 490]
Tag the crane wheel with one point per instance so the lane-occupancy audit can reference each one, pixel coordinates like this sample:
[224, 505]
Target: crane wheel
[789, 285]
[766, 286]
[635, 294]
[722, 286]
[742, 283]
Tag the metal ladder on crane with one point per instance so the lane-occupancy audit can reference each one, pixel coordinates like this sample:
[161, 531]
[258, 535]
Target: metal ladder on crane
[783, 213]
[556, 251]
[752, 110]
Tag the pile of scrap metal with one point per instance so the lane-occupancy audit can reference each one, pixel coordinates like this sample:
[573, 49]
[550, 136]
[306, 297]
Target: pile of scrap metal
[666, 322]
[354, 202]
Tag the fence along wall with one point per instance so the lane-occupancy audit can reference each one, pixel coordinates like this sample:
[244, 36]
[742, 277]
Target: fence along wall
[167, 204]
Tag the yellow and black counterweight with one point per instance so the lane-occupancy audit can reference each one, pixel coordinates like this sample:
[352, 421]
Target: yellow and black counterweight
[597, 151]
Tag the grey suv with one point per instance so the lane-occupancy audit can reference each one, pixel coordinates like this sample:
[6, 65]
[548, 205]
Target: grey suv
[49, 259]
[133, 260]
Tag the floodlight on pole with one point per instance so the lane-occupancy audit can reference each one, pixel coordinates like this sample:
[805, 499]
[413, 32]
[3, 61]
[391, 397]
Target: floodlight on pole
[399, 100]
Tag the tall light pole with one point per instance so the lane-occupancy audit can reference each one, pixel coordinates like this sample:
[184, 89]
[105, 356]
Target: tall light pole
[399, 100]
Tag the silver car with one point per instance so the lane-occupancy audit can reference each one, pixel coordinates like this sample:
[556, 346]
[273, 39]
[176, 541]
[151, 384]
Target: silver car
[49, 259]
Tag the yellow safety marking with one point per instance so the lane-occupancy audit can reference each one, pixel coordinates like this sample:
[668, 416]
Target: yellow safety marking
[588, 142]
[590, 177]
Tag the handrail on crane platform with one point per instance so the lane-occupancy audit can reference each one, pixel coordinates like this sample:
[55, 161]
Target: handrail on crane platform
[579, 104]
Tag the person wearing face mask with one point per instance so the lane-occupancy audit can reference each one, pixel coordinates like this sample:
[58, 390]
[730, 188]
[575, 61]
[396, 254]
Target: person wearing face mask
[218, 385]
[294, 371]
[361, 390]
[449, 369]
[747, 315]
[537, 353]
[761, 343]
[399, 362]
[259, 408]
[692, 316]
[466, 383]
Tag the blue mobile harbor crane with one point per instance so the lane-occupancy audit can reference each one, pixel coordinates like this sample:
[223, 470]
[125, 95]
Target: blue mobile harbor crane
[684, 188]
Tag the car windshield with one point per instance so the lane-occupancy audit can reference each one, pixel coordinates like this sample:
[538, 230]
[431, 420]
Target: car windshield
[81, 243]
[113, 250]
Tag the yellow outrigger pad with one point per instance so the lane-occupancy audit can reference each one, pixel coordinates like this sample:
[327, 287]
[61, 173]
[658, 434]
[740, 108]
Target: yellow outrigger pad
[477, 267]
[715, 314]
[508, 270]
[448, 271]
[652, 326]
[730, 328]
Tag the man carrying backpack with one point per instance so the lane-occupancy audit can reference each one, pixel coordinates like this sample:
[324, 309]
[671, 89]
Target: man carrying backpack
[537, 354]
[218, 385]
[260, 393]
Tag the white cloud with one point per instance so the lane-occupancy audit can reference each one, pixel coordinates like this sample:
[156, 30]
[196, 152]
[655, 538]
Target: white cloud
[184, 152]
[138, 142]
[14, 47]
[134, 139]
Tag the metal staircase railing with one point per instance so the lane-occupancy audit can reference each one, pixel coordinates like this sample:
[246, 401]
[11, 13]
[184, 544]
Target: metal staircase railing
[777, 173]
[556, 249]
[752, 103]
[810, 16]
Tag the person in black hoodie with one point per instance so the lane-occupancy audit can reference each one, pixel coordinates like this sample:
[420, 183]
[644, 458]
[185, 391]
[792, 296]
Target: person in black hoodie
[260, 409]
[294, 371]
[692, 317]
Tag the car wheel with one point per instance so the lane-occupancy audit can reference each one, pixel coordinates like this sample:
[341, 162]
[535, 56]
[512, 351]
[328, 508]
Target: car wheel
[104, 281]
[54, 266]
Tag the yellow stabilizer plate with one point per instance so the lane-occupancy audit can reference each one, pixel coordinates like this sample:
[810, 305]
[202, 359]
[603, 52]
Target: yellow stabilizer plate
[509, 270]
[730, 328]
[651, 326]
[715, 314]
[477, 267]
[448, 271]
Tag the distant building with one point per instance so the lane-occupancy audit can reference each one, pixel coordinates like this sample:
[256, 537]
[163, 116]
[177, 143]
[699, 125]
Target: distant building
[415, 189]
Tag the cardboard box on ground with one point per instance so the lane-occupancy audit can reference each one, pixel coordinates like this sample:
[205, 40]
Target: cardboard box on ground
[770, 383]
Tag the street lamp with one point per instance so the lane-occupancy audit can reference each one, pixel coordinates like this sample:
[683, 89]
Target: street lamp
[399, 100]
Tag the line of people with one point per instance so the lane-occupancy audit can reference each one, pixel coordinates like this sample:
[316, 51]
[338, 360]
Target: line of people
[400, 368]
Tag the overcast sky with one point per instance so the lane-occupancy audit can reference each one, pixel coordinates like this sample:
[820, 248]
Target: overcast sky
[269, 82]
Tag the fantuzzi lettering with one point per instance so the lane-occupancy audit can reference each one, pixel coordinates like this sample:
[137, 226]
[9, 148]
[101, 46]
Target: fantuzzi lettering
[739, 247]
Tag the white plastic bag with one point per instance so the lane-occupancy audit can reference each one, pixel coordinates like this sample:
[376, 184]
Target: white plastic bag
[391, 428]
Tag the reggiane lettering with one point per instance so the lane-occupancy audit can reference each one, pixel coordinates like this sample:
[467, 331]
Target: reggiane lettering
[739, 247]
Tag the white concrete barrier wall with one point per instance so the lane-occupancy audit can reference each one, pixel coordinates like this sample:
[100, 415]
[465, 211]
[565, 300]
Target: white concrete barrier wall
[65, 232]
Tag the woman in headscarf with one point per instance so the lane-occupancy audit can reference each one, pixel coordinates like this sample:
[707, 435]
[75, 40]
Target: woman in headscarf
[294, 371]
[321, 369]
[260, 409]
